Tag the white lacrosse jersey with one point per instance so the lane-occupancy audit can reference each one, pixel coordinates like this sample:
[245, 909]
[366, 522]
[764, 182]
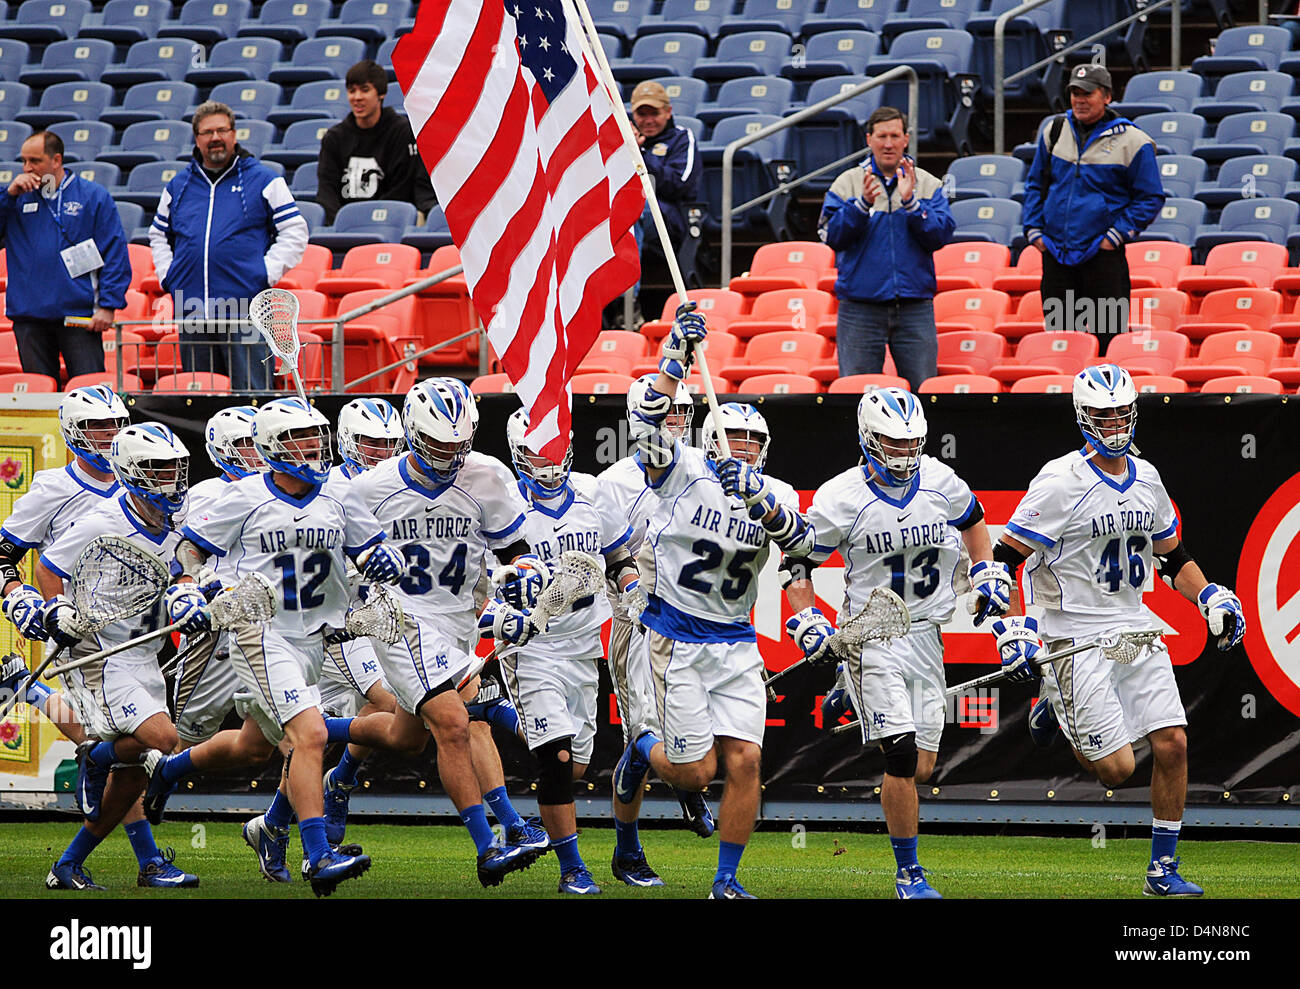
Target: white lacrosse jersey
[443, 531]
[57, 498]
[577, 520]
[905, 538]
[114, 517]
[622, 490]
[343, 472]
[1093, 534]
[702, 554]
[299, 543]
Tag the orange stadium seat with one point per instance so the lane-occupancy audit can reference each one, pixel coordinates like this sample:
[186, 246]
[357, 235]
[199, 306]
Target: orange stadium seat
[786, 264]
[602, 384]
[695, 385]
[377, 339]
[785, 309]
[1159, 384]
[370, 266]
[794, 352]
[23, 384]
[445, 311]
[208, 382]
[779, 384]
[316, 260]
[1064, 352]
[1026, 276]
[969, 265]
[1028, 318]
[130, 382]
[970, 308]
[1159, 308]
[857, 384]
[1242, 384]
[616, 351]
[719, 349]
[9, 362]
[1232, 352]
[1156, 263]
[1148, 352]
[1233, 309]
[1044, 384]
[1241, 264]
[492, 384]
[719, 305]
[960, 384]
[970, 351]
[826, 373]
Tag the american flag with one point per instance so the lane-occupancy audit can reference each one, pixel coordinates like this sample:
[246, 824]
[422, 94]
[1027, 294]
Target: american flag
[526, 157]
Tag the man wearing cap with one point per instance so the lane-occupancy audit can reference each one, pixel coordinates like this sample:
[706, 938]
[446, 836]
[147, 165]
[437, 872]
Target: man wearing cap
[1093, 187]
[670, 157]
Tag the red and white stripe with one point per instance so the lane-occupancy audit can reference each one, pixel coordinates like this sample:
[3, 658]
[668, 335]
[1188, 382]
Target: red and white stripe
[540, 198]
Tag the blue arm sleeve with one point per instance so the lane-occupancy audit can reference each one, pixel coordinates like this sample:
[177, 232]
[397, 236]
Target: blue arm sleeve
[841, 224]
[1148, 194]
[1032, 208]
[932, 225]
[115, 276]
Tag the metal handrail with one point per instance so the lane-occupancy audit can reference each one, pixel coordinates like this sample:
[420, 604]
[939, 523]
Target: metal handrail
[1000, 54]
[729, 153]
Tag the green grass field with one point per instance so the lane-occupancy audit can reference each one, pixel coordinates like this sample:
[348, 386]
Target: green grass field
[435, 861]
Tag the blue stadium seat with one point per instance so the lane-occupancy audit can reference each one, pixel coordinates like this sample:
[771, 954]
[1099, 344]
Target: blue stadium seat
[685, 94]
[753, 173]
[8, 172]
[12, 136]
[747, 53]
[1181, 174]
[14, 99]
[1174, 133]
[984, 177]
[849, 15]
[1251, 219]
[930, 15]
[1083, 20]
[78, 60]
[275, 167]
[385, 58]
[318, 60]
[379, 221]
[942, 60]
[146, 182]
[701, 16]
[693, 124]
[101, 172]
[834, 133]
[1247, 134]
[611, 44]
[1245, 49]
[1178, 220]
[1248, 176]
[670, 54]
[288, 21]
[151, 140]
[13, 58]
[235, 59]
[303, 185]
[1026, 44]
[756, 94]
[394, 100]
[314, 214]
[153, 101]
[125, 22]
[207, 21]
[311, 100]
[621, 17]
[993, 220]
[300, 143]
[155, 60]
[370, 21]
[433, 235]
[1246, 92]
[248, 98]
[69, 101]
[46, 21]
[833, 53]
[784, 16]
[253, 135]
[83, 140]
[1160, 92]
[132, 217]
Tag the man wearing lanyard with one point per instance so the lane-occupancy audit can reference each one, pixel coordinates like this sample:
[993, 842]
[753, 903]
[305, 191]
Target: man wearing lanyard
[67, 262]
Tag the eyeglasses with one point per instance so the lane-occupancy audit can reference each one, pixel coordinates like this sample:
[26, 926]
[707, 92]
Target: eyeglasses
[216, 132]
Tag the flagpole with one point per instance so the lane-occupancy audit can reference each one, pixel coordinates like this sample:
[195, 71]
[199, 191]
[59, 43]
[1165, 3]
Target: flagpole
[592, 49]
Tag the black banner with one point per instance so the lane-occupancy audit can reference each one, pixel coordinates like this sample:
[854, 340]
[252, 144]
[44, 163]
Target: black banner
[1231, 465]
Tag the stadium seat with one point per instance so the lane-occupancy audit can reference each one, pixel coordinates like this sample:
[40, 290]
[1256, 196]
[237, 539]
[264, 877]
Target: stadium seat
[1255, 133]
[1248, 177]
[1233, 309]
[969, 265]
[701, 16]
[303, 185]
[289, 21]
[1245, 263]
[1252, 219]
[1044, 384]
[695, 385]
[46, 21]
[671, 54]
[370, 21]
[685, 94]
[430, 237]
[720, 348]
[1246, 92]
[614, 352]
[993, 220]
[960, 384]
[132, 217]
[14, 56]
[300, 144]
[1156, 264]
[1159, 308]
[207, 21]
[492, 384]
[78, 60]
[834, 133]
[69, 101]
[849, 15]
[832, 53]
[254, 136]
[312, 100]
[785, 309]
[620, 17]
[83, 140]
[1061, 352]
[14, 98]
[1028, 317]
[764, 15]
[1026, 276]
[370, 266]
[23, 384]
[753, 174]
[130, 382]
[322, 59]
[601, 384]
[377, 339]
[970, 309]
[748, 53]
[236, 59]
[719, 306]
[793, 351]
[151, 140]
[9, 360]
[1174, 133]
[787, 264]
[1181, 175]
[1178, 220]
[1244, 49]
[141, 259]
[942, 61]
[857, 384]
[1159, 384]
[147, 182]
[1160, 92]
[970, 351]
[100, 172]
[1148, 352]
[144, 101]
[1231, 352]
[315, 262]
[377, 221]
[1242, 384]
[248, 98]
[778, 384]
[753, 94]
[930, 15]
[984, 177]
[124, 22]
[208, 382]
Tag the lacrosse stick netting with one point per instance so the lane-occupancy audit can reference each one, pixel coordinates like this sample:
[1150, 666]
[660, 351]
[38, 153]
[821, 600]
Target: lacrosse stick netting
[576, 576]
[884, 616]
[380, 616]
[274, 314]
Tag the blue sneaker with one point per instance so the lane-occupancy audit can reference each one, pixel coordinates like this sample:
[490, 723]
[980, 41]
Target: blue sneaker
[634, 870]
[158, 790]
[529, 834]
[69, 875]
[336, 807]
[271, 845]
[1163, 880]
[729, 888]
[579, 882]
[910, 884]
[695, 812]
[501, 860]
[334, 850]
[334, 869]
[159, 871]
[1043, 726]
[91, 779]
[490, 695]
[630, 772]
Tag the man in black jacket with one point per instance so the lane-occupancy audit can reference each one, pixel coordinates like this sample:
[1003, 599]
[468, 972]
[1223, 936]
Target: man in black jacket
[372, 153]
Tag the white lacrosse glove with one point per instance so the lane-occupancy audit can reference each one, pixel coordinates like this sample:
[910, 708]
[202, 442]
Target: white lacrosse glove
[1222, 612]
[633, 601]
[504, 624]
[25, 607]
[1019, 646]
[62, 621]
[187, 606]
[521, 583]
[811, 632]
[678, 351]
[991, 584]
[383, 564]
[208, 582]
[739, 480]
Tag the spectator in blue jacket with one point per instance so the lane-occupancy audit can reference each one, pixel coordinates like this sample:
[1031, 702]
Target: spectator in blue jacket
[1093, 187]
[67, 258]
[885, 219]
[226, 228]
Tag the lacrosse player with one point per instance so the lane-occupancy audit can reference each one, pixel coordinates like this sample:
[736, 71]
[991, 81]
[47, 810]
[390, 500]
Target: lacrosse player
[704, 547]
[621, 488]
[89, 418]
[553, 679]
[1090, 526]
[123, 699]
[442, 504]
[297, 526]
[899, 519]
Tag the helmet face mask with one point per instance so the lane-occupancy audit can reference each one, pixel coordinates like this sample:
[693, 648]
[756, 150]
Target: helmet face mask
[440, 418]
[89, 418]
[542, 476]
[370, 432]
[891, 431]
[229, 442]
[153, 465]
[747, 434]
[1105, 406]
[294, 439]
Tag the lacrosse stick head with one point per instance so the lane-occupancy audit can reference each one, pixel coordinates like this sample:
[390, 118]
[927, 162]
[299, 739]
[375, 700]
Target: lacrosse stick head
[114, 579]
[381, 616]
[883, 617]
[577, 575]
[274, 314]
[1127, 646]
[250, 602]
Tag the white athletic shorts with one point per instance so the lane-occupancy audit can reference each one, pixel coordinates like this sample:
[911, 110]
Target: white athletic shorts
[633, 685]
[115, 697]
[278, 675]
[897, 687]
[556, 691]
[703, 690]
[204, 690]
[1103, 706]
[423, 658]
[350, 670]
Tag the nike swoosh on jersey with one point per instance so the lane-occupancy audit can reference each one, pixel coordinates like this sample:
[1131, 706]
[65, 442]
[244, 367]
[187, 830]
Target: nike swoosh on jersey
[903, 516]
[299, 518]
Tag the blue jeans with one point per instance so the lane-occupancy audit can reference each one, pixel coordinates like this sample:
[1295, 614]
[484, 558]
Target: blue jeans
[864, 329]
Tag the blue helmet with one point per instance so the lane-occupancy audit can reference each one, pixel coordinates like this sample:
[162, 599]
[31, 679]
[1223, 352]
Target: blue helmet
[895, 415]
[440, 417]
[293, 438]
[153, 464]
[1105, 405]
[93, 409]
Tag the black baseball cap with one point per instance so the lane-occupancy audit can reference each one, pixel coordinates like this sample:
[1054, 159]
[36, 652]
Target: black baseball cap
[1089, 77]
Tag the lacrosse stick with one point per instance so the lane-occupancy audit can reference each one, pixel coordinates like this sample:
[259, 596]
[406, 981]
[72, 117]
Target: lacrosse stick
[274, 313]
[250, 602]
[882, 618]
[380, 616]
[112, 579]
[190, 649]
[1122, 648]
